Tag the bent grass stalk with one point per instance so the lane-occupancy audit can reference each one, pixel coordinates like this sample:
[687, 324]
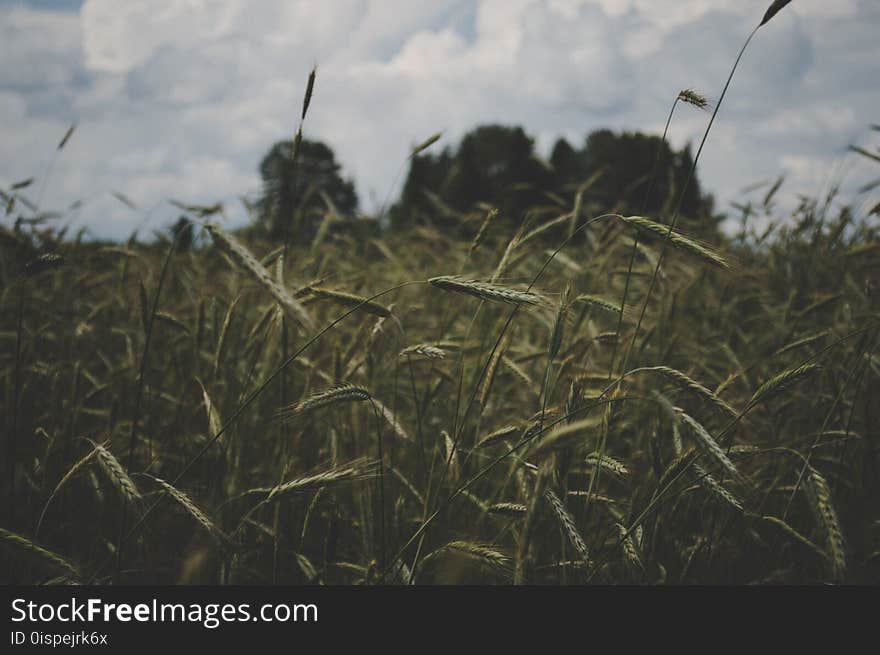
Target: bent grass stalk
[244, 405]
[774, 8]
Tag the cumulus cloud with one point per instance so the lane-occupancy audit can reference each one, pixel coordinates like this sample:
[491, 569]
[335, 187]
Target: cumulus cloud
[181, 98]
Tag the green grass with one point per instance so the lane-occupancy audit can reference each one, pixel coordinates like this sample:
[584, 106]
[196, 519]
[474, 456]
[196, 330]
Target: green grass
[773, 360]
[578, 399]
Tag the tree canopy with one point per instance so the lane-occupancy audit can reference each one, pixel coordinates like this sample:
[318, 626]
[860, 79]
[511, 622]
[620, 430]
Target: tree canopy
[626, 172]
[498, 165]
[493, 163]
[297, 193]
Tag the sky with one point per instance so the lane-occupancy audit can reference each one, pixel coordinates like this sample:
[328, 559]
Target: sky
[180, 99]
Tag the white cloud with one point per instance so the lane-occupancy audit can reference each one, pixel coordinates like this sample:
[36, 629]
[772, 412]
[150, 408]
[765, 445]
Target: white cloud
[181, 98]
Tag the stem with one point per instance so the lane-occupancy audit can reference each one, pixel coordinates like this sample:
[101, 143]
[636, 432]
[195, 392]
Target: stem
[243, 406]
[381, 458]
[12, 437]
[594, 476]
[135, 424]
[635, 245]
[682, 196]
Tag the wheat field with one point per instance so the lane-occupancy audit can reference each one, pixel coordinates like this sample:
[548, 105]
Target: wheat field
[563, 398]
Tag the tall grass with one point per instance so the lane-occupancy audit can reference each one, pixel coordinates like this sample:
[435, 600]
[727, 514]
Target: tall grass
[511, 424]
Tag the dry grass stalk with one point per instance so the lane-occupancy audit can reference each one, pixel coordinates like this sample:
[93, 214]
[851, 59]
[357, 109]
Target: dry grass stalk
[66, 137]
[517, 370]
[76, 468]
[505, 258]
[708, 444]
[117, 475]
[819, 495]
[607, 338]
[41, 552]
[629, 547]
[485, 290]
[310, 88]
[484, 226]
[272, 255]
[191, 508]
[44, 262]
[782, 381]
[573, 401]
[333, 396]
[224, 329]
[695, 387]
[351, 300]
[409, 486]
[714, 487]
[565, 435]
[558, 332]
[451, 456]
[214, 422]
[483, 553]
[773, 9]
[512, 510]
[424, 350]
[797, 536]
[541, 229]
[232, 247]
[595, 498]
[608, 464]
[492, 369]
[360, 469]
[392, 420]
[427, 143]
[678, 240]
[691, 97]
[497, 436]
[813, 338]
[599, 303]
[568, 525]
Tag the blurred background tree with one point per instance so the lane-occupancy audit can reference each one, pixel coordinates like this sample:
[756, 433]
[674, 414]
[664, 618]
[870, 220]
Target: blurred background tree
[494, 165]
[296, 195]
[183, 231]
[497, 164]
[627, 161]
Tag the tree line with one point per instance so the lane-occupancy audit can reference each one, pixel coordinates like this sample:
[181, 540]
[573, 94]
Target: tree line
[493, 166]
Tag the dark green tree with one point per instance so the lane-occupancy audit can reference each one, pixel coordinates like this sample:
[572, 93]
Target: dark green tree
[497, 164]
[493, 164]
[297, 193]
[428, 174]
[568, 166]
[627, 161]
[184, 233]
